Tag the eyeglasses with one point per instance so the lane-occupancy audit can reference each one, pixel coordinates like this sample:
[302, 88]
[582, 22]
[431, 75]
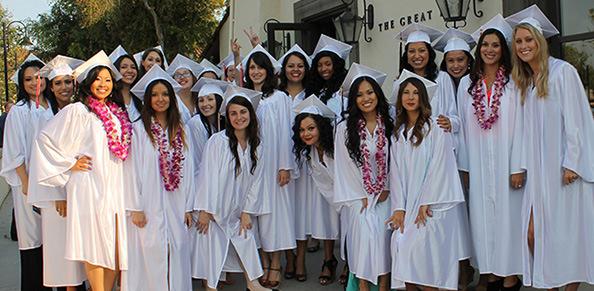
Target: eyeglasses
[181, 76]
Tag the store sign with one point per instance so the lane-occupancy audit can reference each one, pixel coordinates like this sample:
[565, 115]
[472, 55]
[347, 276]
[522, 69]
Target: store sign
[405, 20]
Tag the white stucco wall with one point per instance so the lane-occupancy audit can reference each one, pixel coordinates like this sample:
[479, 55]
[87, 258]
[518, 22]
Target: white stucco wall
[382, 52]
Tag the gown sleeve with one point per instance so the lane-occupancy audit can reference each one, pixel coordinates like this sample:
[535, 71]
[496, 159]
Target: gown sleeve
[197, 139]
[347, 177]
[255, 203]
[286, 157]
[441, 186]
[515, 162]
[397, 197]
[188, 175]
[134, 165]
[463, 133]
[447, 94]
[206, 198]
[578, 124]
[59, 145]
[15, 145]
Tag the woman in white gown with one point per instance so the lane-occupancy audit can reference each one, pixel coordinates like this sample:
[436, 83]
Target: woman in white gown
[83, 148]
[20, 131]
[127, 67]
[313, 146]
[558, 139]
[229, 194]
[426, 196]
[161, 191]
[277, 228]
[361, 151]
[57, 271]
[489, 109]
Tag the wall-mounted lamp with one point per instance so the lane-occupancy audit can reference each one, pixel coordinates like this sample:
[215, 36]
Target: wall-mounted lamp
[349, 25]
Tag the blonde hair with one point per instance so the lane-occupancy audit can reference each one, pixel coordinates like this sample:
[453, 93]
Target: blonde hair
[522, 74]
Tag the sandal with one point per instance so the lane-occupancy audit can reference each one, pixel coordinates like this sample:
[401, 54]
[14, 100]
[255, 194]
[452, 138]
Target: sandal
[290, 275]
[263, 280]
[331, 266]
[344, 276]
[273, 283]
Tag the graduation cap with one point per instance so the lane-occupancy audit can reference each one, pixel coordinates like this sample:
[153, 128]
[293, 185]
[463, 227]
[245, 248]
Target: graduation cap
[207, 86]
[117, 53]
[138, 56]
[207, 66]
[295, 49]
[497, 22]
[534, 16]
[183, 62]
[329, 44]
[30, 57]
[99, 59]
[454, 40]
[154, 73]
[59, 66]
[228, 61]
[234, 91]
[416, 32]
[430, 86]
[275, 64]
[356, 71]
[313, 105]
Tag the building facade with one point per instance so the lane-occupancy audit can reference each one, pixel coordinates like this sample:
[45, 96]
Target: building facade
[285, 22]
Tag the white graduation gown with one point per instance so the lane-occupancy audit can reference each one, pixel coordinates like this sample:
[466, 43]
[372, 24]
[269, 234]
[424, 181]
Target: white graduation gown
[133, 112]
[491, 156]
[198, 136]
[337, 104]
[365, 234]
[185, 113]
[277, 229]
[57, 271]
[159, 253]
[444, 101]
[558, 133]
[20, 130]
[95, 197]
[427, 175]
[324, 214]
[225, 196]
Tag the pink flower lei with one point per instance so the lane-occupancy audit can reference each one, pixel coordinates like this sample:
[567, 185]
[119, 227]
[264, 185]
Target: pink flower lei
[380, 158]
[118, 145]
[478, 97]
[170, 169]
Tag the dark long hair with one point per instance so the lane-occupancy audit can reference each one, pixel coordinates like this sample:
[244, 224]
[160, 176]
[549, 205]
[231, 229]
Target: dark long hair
[263, 61]
[505, 61]
[22, 95]
[84, 88]
[353, 140]
[444, 66]
[317, 84]
[326, 130]
[174, 122]
[204, 119]
[283, 74]
[51, 96]
[431, 68]
[424, 114]
[136, 102]
[252, 131]
[141, 70]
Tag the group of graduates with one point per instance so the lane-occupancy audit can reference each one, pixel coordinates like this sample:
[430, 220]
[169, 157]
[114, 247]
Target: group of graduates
[168, 172]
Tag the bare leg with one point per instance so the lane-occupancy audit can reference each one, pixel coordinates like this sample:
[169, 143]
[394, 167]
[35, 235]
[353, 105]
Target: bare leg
[290, 266]
[427, 288]
[510, 281]
[384, 282]
[411, 287]
[531, 233]
[110, 275]
[265, 259]
[300, 260]
[466, 275]
[572, 287]
[274, 276]
[328, 273]
[363, 285]
[96, 275]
